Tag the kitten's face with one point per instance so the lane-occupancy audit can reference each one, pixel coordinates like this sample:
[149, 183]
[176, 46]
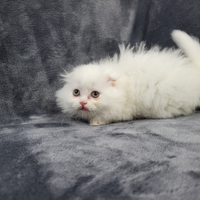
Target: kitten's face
[88, 92]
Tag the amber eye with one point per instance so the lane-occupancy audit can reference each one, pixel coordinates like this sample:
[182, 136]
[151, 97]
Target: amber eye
[76, 92]
[95, 94]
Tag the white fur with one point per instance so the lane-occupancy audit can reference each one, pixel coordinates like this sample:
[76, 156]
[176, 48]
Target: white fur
[142, 84]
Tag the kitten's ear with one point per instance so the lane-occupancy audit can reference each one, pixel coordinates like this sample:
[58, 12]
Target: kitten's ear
[111, 81]
[66, 77]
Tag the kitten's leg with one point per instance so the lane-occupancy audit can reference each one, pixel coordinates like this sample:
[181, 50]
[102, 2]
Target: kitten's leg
[97, 122]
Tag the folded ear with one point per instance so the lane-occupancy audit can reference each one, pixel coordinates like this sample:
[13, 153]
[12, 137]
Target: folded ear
[66, 76]
[111, 81]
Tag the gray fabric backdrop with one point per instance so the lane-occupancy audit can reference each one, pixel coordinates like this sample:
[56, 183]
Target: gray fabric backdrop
[46, 156]
[38, 39]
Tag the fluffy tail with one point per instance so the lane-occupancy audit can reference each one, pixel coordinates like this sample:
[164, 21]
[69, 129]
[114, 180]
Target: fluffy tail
[189, 45]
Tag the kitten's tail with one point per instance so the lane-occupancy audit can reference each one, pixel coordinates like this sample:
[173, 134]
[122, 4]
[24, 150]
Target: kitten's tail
[189, 45]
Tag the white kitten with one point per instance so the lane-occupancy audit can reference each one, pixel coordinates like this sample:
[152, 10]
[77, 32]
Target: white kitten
[143, 84]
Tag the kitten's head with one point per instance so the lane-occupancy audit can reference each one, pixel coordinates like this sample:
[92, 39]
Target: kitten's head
[89, 90]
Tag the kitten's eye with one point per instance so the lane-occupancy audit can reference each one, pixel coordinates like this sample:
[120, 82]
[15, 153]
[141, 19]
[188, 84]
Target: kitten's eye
[95, 94]
[76, 92]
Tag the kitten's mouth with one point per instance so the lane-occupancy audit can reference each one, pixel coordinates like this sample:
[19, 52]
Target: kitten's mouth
[84, 109]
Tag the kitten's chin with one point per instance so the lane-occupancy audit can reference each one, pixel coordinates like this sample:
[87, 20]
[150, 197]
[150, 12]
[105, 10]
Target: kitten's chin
[85, 113]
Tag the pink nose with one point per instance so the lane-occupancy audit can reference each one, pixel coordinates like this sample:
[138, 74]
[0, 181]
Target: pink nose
[83, 103]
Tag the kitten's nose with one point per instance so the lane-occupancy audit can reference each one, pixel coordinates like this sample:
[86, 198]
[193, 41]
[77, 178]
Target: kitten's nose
[83, 103]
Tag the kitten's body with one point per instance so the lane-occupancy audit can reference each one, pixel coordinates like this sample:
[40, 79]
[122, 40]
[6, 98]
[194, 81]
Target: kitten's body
[143, 84]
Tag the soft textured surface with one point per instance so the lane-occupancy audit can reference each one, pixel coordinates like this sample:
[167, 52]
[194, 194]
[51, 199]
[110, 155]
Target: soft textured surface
[43, 158]
[47, 156]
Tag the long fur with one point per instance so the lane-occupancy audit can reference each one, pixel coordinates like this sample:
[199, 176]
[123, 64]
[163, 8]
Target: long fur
[136, 84]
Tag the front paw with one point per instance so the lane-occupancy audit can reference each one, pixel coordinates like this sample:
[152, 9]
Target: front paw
[97, 122]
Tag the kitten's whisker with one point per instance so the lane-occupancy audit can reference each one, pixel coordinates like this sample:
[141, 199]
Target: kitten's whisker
[70, 114]
[64, 119]
[73, 113]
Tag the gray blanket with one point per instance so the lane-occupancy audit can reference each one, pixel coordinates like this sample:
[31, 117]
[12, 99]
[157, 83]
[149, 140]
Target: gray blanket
[43, 154]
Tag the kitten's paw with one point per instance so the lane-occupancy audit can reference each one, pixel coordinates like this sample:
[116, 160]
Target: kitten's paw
[97, 123]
